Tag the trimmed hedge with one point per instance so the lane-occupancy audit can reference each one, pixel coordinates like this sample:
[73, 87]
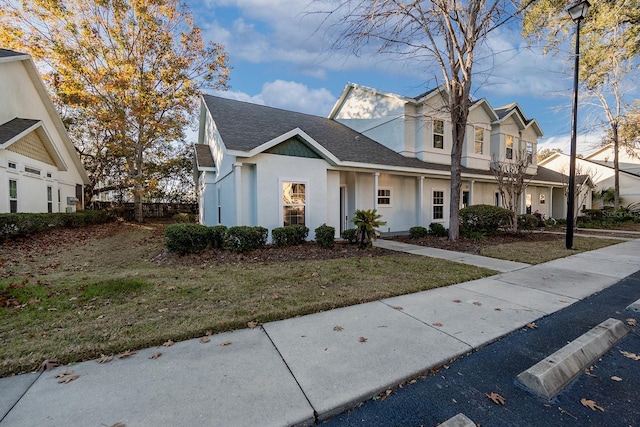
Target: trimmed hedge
[350, 235]
[438, 230]
[527, 222]
[418, 232]
[290, 235]
[23, 224]
[187, 238]
[243, 238]
[217, 235]
[325, 236]
[485, 219]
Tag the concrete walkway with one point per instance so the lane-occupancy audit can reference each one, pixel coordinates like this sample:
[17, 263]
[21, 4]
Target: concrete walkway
[303, 370]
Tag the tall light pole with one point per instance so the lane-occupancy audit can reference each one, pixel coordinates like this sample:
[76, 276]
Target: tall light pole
[577, 12]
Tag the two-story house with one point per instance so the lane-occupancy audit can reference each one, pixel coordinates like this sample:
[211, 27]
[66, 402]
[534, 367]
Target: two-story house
[40, 170]
[258, 165]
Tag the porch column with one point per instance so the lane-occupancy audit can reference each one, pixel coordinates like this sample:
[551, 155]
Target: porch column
[375, 190]
[471, 192]
[237, 177]
[420, 200]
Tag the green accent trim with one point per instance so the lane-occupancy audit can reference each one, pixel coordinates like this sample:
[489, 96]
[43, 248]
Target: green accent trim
[294, 147]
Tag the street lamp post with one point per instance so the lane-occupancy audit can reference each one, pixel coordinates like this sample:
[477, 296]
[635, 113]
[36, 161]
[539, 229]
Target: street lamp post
[577, 12]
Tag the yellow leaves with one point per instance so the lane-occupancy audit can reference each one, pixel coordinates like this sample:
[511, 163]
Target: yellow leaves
[496, 398]
[591, 404]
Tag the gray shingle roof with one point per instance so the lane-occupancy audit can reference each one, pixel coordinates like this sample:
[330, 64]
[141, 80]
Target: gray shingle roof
[244, 126]
[5, 53]
[204, 159]
[14, 127]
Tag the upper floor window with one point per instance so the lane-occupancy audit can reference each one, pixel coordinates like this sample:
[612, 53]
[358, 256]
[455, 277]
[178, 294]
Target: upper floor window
[294, 202]
[33, 171]
[384, 197]
[509, 152]
[479, 140]
[529, 152]
[12, 165]
[438, 134]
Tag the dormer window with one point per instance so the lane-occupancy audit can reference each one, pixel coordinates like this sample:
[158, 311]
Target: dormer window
[530, 152]
[509, 151]
[479, 140]
[438, 134]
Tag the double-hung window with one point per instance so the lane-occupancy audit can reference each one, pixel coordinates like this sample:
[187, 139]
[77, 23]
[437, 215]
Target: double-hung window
[529, 152]
[479, 140]
[384, 197]
[13, 196]
[438, 134]
[294, 203]
[438, 204]
[50, 199]
[509, 151]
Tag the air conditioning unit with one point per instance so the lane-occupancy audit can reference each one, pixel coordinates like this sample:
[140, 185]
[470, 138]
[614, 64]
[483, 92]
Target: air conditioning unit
[72, 201]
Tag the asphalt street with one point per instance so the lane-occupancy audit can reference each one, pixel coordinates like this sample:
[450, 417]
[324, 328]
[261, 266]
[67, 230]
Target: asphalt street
[463, 385]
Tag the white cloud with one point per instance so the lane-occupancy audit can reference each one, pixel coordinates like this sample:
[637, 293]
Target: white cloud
[585, 143]
[289, 96]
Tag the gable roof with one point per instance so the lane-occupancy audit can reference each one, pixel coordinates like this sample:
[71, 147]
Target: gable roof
[514, 110]
[14, 128]
[204, 159]
[7, 55]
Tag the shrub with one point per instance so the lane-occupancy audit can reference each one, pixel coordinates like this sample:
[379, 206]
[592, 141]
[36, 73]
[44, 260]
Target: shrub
[367, 223]
[527, 222]
[484, 219]
[438, 230]
[350, 235]
[184, 217]
[187, 238]
[418, 232]
[474, 235]
[23, 224]
[290, 235]
[243, 238]
[593, 214]
[325, 236]
[216, 236]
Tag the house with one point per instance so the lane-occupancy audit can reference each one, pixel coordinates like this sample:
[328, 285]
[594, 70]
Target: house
[40, 170]
[258, 165]
[599, 166]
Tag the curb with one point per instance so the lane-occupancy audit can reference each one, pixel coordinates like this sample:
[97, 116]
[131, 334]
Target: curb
[549, 376]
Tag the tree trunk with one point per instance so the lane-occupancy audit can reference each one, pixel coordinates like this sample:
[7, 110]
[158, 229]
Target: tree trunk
[616, 168]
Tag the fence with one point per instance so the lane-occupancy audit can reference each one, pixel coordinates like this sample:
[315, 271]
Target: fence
[150, 210]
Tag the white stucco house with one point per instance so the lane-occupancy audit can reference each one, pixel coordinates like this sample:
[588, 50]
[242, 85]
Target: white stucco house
[258, 165]
[40, 170]
[599, 166]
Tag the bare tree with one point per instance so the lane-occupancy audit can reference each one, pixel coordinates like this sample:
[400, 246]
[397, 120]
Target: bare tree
[511, 176]
[443, 32]
[585, 179]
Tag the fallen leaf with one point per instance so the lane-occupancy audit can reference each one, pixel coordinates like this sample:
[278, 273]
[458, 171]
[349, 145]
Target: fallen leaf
[126, 354]
[616, 378]
[48, 365]
[630, 355]
[225, 343]
[171, 288]
[163, 310]
[204, 340]
[478, 303]
[437, 324]
[397, 307]
[457, 301]
[104, 359]
[338, 328]
[496, 398]
[155, 355]
[498, 309]
[63, 373]
[118, 425]
[252, 325]
[362, 339]
[168, 343]
[591, 404]
[68, 379]
[532, 326]
[632, 322]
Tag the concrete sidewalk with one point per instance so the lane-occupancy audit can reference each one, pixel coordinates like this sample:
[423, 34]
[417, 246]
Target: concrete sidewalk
[306, 369]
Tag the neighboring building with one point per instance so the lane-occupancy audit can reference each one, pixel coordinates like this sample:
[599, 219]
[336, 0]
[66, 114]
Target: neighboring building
[258, 165]
[40, 170]
[599, 166]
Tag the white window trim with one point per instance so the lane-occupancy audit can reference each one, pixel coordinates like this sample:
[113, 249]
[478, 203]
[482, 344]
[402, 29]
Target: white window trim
[506, 147]
[482, 151]
[433, 205]
[433, 134]
[31, 172]
[17, 198]
[383, 205]
[306, 199]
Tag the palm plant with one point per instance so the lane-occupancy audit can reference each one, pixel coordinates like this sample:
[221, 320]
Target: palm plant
[367, 223]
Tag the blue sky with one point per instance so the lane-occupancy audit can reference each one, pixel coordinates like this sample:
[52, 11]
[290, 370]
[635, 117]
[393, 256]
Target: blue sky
[281, 56]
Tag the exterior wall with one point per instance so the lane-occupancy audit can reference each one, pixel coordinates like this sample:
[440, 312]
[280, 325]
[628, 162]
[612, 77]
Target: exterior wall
[20, 98]
[401, 214]
[477, 118]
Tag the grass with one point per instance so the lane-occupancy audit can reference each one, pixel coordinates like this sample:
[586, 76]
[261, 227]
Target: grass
[76, 302]
[543, 251]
